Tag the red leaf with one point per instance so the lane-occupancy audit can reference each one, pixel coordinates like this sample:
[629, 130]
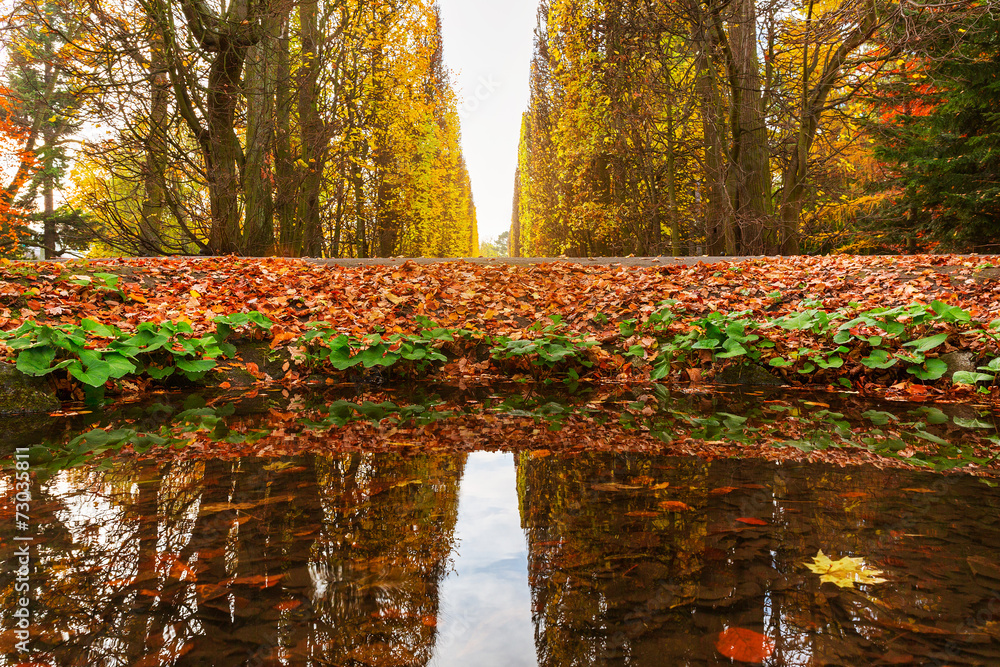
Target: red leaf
[744, 645]
[751, 521]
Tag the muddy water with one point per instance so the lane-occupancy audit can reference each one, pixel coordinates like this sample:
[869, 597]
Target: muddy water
[502, 559]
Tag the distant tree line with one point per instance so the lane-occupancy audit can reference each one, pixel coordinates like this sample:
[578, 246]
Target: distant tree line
[313, 128]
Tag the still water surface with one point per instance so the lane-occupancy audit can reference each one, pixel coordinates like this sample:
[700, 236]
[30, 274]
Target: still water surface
[533, 558]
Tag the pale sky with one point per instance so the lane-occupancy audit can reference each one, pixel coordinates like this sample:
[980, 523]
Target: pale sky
[487, 45]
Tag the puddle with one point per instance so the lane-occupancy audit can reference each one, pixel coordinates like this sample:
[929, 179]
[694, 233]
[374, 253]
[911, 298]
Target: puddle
[484, 598]
[350, 546]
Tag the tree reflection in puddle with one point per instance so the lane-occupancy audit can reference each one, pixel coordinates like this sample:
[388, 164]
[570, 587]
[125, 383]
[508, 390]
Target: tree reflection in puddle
[636, 560]
[325, 560]
[332, 552]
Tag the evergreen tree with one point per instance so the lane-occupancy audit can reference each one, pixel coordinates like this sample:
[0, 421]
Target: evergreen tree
[940, 132]
[44, 104]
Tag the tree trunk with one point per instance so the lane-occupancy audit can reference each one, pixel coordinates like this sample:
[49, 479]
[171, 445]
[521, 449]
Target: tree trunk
[259, 89]
[311, 132]
[675, 226]
[285, 200]
[813, 101]
[749, 170]
[720, 237]
[154, 183]
[224, 151]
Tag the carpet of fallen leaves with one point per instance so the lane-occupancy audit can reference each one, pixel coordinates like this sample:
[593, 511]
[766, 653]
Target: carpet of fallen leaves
[494, 298]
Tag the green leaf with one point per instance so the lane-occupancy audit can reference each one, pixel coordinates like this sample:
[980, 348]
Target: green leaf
[260, 319]
[98, 329]
[933, 415]
[950, 313]
[878, 359]
[932, 369]
[930, 437]
[879, 418]
[833, 361]
[967, 377]
[926, 344]
[377, 356]
[159, 373]
[36, 361]
[94, 375]
[965, 422]
[196, 365]
[732, 349]
[119, 365]
[660, 370]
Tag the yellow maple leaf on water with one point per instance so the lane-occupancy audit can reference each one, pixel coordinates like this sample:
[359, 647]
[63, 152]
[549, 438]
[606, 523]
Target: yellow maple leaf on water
[844, 572]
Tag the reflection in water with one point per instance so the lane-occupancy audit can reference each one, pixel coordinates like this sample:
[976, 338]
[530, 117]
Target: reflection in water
[342, 558]
[311, 561]
[644, 561]
[484, 600]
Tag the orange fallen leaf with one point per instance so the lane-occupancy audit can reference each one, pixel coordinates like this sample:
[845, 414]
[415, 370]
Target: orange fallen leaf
[744, 645]
[750, 521]
[674, 506]
[264, 581]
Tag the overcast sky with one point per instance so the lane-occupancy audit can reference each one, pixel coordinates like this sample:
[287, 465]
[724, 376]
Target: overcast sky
[487, 45]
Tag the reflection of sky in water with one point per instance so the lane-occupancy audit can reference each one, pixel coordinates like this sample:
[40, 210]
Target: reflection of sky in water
[485, 616]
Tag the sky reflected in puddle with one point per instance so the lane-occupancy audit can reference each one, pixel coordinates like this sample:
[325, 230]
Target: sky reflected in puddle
[484, 598]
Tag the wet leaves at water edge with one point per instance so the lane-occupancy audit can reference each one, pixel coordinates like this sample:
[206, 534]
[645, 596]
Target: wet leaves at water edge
[845, 572]
[777, 426]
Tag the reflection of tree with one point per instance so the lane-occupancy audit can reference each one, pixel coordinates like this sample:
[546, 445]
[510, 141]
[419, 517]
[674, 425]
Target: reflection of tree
[244, 562]
[606, 576]
[622, 575]
[388, 532]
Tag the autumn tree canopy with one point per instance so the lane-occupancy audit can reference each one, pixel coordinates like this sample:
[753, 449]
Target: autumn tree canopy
[320, 128]
[721, 127]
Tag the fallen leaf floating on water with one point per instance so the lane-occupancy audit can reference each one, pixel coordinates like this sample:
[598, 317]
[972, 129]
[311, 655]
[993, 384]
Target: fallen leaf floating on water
[675, 506]
[744, 645]
[844, 572]
[984, 567]
[615, 486]
[750, 521]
